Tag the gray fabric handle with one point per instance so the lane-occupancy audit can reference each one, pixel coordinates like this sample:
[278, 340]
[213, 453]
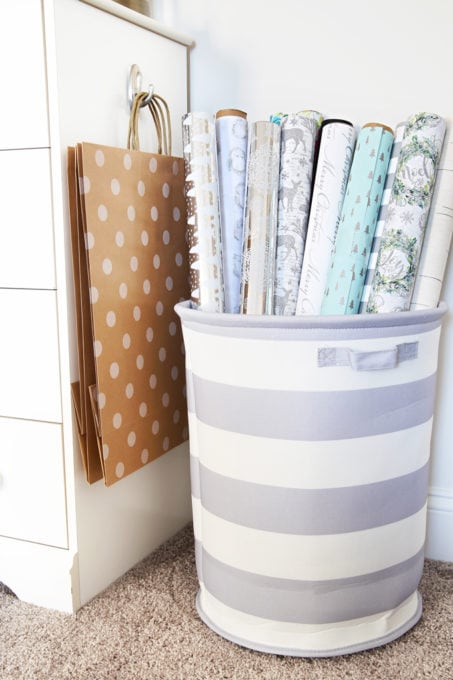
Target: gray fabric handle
[374, 360]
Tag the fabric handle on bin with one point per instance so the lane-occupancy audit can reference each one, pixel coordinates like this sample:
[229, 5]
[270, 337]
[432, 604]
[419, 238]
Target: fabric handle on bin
[373, 360]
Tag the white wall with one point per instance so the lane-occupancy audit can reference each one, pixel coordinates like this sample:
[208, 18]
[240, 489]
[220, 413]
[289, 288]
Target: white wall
[361, 61]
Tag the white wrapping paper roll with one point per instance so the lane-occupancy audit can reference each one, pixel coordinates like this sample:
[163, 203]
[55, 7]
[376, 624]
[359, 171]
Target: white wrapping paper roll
[260, 219]
[231, 134]
[203, 216]
[334, 161]
[438, 236]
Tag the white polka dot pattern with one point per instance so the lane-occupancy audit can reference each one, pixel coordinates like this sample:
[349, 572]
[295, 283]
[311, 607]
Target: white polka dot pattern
[134, 236]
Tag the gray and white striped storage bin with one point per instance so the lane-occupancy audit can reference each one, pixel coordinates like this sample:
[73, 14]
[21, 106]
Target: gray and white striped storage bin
[310, 444]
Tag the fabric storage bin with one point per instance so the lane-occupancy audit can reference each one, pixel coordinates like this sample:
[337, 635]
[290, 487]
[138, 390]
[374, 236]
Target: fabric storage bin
[310, 444]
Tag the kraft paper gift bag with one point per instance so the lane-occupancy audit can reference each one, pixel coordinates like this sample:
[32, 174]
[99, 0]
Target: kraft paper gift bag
[130, 268]
[88, 440]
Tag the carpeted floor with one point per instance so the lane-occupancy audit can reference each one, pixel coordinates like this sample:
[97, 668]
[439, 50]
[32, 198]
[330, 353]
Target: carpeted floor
[145, 627]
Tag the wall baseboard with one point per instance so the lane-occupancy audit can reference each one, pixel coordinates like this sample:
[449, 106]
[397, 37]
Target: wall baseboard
[439, 537]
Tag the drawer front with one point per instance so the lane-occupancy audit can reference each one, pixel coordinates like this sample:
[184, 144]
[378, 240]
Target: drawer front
[29, 369]
[26, 232]
[32, 489]
[23, 75]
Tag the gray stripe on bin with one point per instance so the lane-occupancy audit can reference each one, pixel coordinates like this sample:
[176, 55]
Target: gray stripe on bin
[311, 602]
[314, 416]
[189, 392]
[194, 476]
[311, 512]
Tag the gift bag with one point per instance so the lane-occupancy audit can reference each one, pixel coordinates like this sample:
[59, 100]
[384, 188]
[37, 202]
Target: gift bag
[130, 266]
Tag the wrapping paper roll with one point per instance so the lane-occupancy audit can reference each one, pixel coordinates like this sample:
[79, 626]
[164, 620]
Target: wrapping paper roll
[203, 216]
[260, 219]
[332, 171]
[438, 235]
[399, 134]
[298, 139]
[359, 215]
[231, 135]
[407, 214]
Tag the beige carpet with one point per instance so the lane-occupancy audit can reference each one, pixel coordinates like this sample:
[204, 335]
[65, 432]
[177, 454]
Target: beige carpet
[145, 627]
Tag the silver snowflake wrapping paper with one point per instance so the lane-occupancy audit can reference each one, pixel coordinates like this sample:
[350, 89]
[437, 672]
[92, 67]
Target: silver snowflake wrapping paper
[260, 219]
[336, 150]
[438, 235]
[407, 214]
[231, 135]
[357, 224]
[203, 215]
[299, 133]
[399, 134]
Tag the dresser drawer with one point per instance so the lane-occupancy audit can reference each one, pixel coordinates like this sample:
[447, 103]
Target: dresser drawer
[32, 488]
[29, 369]
[26, 232]
[22, 73]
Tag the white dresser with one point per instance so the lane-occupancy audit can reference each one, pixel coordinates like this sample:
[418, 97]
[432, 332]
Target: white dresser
[64, 71]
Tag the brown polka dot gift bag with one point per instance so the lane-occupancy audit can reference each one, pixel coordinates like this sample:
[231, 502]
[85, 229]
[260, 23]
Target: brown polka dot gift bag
[130, 268]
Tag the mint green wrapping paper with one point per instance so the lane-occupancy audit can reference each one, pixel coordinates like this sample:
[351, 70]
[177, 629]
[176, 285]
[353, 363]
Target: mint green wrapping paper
[358, 220]
[396, 148]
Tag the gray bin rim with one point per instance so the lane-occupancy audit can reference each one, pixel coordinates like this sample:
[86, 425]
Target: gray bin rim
[187, 312]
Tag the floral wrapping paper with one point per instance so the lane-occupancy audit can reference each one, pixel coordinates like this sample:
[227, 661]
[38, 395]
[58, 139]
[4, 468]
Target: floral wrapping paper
[231, 135]
[299, 133]
[399, 134]
[260, 219]
[438, 235]
[332, 171]
[407, 214]
[203, 214]
[358, 220]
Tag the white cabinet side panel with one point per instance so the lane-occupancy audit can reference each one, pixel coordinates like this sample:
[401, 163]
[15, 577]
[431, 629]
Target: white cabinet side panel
[22, 72]
[32, 489]
[26, 231]
[43, 576]
[30, 380]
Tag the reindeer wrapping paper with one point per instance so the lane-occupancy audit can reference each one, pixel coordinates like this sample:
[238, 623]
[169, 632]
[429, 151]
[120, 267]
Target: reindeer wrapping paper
[128, 225]
[299, 132]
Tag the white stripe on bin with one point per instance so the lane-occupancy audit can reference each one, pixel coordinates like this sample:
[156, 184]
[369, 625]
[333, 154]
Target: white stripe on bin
[312, 557]
[328, 464]
[291, 365]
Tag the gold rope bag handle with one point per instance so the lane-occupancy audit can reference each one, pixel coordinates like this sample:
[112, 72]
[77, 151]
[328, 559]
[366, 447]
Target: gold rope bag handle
[160, 113]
